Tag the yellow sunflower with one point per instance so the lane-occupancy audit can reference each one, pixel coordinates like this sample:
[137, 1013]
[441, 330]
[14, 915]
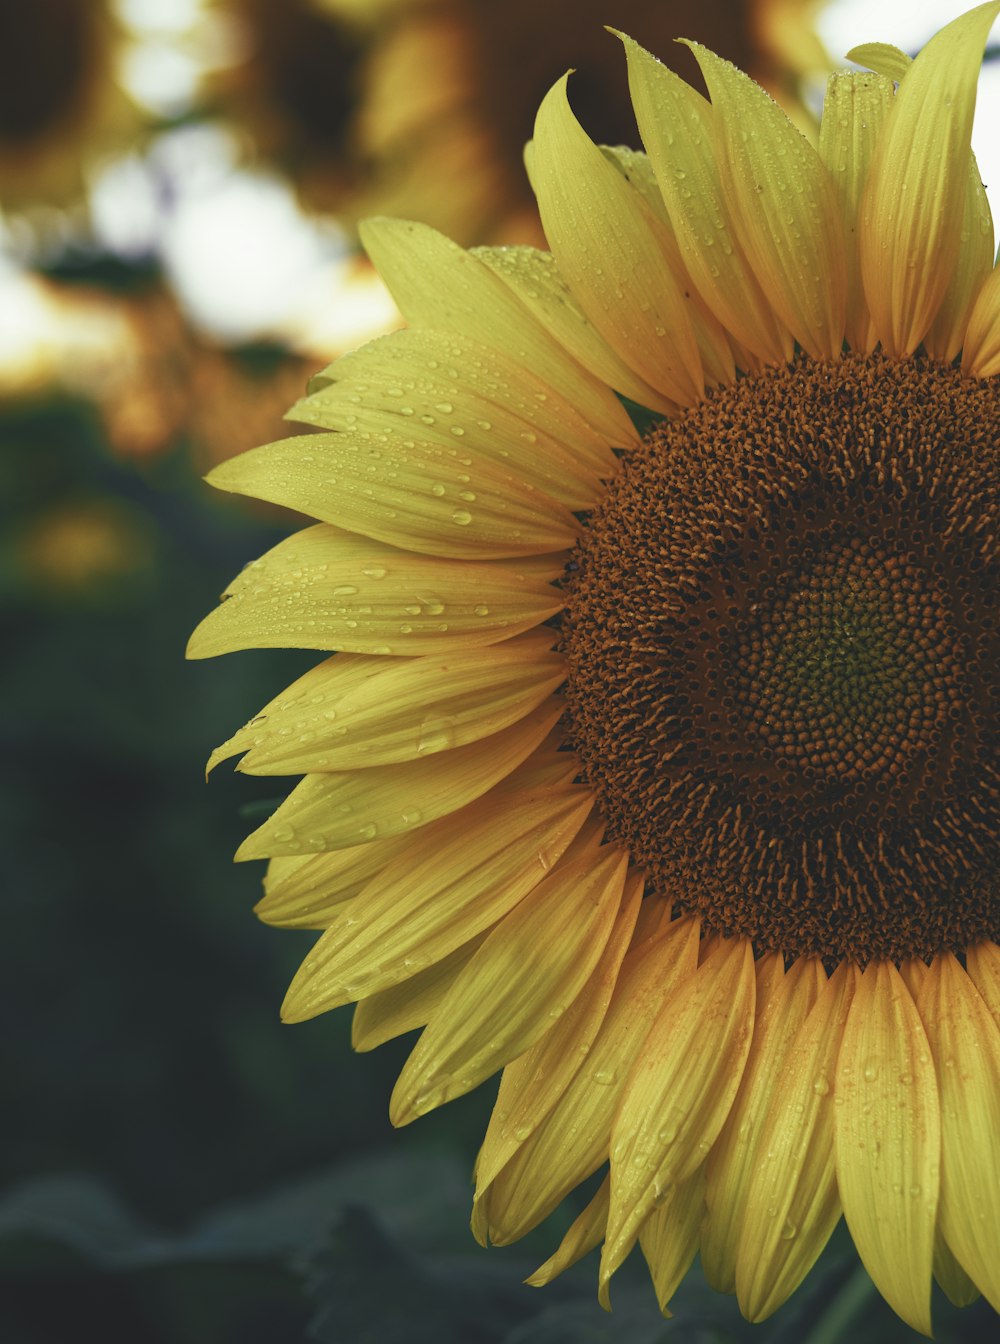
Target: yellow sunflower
[447, 149]
[661, 770]
[61, 106]
[295, 91]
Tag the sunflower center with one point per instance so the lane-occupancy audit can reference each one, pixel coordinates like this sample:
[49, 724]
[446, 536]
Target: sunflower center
[783, 650]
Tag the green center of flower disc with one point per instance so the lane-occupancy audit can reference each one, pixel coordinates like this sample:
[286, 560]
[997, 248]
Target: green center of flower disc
[783, 648]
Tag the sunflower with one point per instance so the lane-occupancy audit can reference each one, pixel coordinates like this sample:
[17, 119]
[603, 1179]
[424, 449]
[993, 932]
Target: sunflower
[295, 90]
[660, 768]
[61, 107]
[448, 150]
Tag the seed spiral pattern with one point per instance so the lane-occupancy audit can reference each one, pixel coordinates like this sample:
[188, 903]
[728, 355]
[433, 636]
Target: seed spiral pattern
[783, 649]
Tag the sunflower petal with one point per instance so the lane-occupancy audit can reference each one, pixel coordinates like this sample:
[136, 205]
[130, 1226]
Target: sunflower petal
[533, 1083]
[529, 971]
[688, 178]
[956, 1285]
[854, 112]
[411, 1003]
[912, 211]
[584, 1234]
[353, 712]
[883, 58]
[965, 1042]
[573, 1141]
[537, 281]
[709, 333]
[791, 1197]
[888, 1141]
[411, 378]
[983, 962]
[347, 808]
[326, 589]
[449, 884]
[981, 354]
[677, 1096]
[785, 206]
[669, 1237]
[975, 262]
[439, 285]
[975, 257]
[436, 500]
[612, 250]
[783, 1001]
[306, 891]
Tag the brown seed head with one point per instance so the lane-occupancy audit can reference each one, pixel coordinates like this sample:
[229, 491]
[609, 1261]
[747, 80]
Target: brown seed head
[783, 653]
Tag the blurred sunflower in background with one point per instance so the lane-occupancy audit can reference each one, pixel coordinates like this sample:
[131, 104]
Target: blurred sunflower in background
[62, 106]
[656, 761]
[448, 150]
[293, 85]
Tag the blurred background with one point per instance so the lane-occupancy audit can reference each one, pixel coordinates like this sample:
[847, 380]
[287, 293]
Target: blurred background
[180, 182]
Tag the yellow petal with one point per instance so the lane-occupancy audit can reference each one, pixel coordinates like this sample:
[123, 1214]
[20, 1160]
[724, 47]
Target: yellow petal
[450, 883]
[669, 1237]
[853, 114]
[677, 1096]
[395, 486]
[306, 891]
[888, 1141]
[965, 1042]
[352, 712]
[912, 211]
[438, 285]
[585, 1233]
[537, 281]
[981, 353]
[414, 379]
[613, 252]
[783, 1001]
[676, 125]
[527, 973]
[975, 258]
[326, 589]
[412, 1003]
[883, 58]
[983, 962]
[573, 1141]
[785, 208]
[347, 808]
[956, 1285]
[791, 1198]
[975, 262]
[709, 333]
[532, 1084]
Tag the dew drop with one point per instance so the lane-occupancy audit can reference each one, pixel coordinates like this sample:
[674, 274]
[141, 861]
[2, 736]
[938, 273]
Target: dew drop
[462, 517]
[436, 733]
